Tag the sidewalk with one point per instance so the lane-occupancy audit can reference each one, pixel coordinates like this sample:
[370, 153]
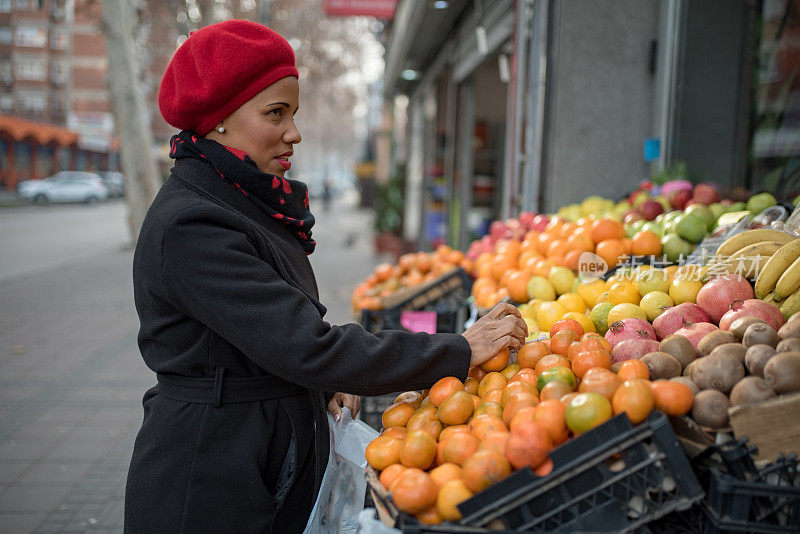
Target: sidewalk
[71, 379]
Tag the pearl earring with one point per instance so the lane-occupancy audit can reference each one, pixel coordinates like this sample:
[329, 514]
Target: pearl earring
[221, 129]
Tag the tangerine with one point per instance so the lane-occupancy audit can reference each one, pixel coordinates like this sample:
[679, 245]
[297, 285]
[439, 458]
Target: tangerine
[382, 452]
[483, 469]
[586, 411]
[551, 360]
[550, 416]
[426, 423]
[633, 369]
[429, 516]
[566, 324]
[450, 496]
[560, 342]
[521, 400]
[414, 398]
[517, 284]
[414, 491]
[419, 450]
[554, 389]
[612, 251]
[604, 229]
[444, 473]
[601, 381]
[397, 414]
[490, 408]
[497, 362]
[391, 473]
[646, 243]
[672, 398]
[530, 353]
[514, 389]
[495, 441]
[396, 432]
[471, 385]
[482, 425]
[635, 398]
[451, 430]
[443, 389]
[564, 374]
[526, 375]
[491, 381]
[510, 370]
[458, 447]
[589, 359]
[456, 409]
[528, 445]
[592, 340]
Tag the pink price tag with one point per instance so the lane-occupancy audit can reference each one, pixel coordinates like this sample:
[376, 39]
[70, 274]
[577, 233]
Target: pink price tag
[419, 321]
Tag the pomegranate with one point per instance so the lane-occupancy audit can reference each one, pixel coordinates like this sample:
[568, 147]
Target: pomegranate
[716, 296]
[628, 329]
[633, 349]
[752, 308]
[677, 317]
[695, 332]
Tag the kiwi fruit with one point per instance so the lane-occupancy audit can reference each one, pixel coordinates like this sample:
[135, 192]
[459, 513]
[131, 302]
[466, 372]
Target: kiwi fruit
[615, 367]
[751, 389]
[760, 334]
[731, 349]
[688, 382]
[680, 348]
[711, 409]
[739, 326]
[782, 372]
[717, 371]
[687, 371]
[662, 365]
[790, 344]
[714, 339]
[790, 329]
[757, 357]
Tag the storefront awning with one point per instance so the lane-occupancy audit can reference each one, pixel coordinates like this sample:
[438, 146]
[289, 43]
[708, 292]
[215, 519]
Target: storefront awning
[43, 133]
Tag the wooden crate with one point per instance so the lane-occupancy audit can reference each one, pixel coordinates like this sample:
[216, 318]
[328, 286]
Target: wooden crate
[773, 425]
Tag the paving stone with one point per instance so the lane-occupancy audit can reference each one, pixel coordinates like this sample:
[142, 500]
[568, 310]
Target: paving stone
[32, 498]
[19, 523]
[23, 450]
[46, 473]
[10, 471]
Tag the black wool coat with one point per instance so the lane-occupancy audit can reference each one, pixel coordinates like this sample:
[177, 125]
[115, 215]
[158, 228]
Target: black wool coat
[218, 284]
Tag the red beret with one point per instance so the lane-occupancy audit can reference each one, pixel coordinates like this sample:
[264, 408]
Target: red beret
[219, 68]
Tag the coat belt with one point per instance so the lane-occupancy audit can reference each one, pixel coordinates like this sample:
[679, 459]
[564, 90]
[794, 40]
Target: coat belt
[219, 390]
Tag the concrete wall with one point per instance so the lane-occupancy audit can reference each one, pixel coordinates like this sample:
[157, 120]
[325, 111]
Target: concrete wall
[600, 93]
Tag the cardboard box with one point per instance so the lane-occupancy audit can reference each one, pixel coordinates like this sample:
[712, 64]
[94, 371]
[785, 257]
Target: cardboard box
[773, 425]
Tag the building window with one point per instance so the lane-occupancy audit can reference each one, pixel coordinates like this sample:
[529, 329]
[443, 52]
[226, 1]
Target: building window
[33, 36]
[59, 73]
[6, 35]
[59, 39]
[23, 4]
[5, 73]
[5, 6]
[32, 101]
[7, 103]
[31, 69]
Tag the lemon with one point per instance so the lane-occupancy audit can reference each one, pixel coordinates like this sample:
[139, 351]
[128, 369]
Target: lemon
[599, 317]
[591, 291]
[533, 326]
[652, 280]
[625, 311]
[527, 310]
[654, 303]
[549, 313]
[562, 279]
[540, 288]
[585, 322]
[572, 302]
[684, 290]
[622, 292]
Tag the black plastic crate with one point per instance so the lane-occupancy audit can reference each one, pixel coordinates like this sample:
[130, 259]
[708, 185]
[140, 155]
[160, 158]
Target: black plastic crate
[614, 478]
[454, 286]
[448, 320]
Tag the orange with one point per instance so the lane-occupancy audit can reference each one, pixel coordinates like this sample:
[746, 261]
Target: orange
[572, 302]
[476, 372]
[424, 262]
[600, 381]
[414, 398]
[550, 416]
[494, 441]
[483, 469]
[646, 243]
[530, 353]
[528, 445]
[566, 399]
[396, 432]
[490, 408]
[451, 430]
[560, 342]
[497, 362]
[516, 403]
[566, 324]
[429, 516]
[564, 374]
[456, 409]
[555, 389]
[572, 259]
[383, 451]
[515, 388]
[635, 398]
[542, 268]
[574, 349]
[634, 369]
[524, 375]
[443, 389]
[624, 293]
[414, 491]
[444, 473]
[586, 411]
[556, 249]
[502, 263]
[510, 370]
[672, 398]
[604, 229]
[419, 450]
[528, 413]
[391, 473]
[482, 425]
[594, 340]
[612, 251]
[551, 360]
[580, 243]
[588, 359]
[450, 496]
[397, 414]
[494, 395]
[510, 247]
[471, 385]
[628, 244]
[384, 271]
[491, 381]
[459, 447]
[426, 423]
[545, 469]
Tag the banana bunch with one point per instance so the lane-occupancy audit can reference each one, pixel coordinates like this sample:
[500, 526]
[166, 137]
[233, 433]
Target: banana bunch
[778, 281]
[748, 253]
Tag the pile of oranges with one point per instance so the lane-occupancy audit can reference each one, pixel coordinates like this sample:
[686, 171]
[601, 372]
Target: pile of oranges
[441, 446]
[412, 270]
[507, 271]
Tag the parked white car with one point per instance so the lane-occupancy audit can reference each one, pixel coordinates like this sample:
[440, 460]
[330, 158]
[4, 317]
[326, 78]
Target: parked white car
[65, 186]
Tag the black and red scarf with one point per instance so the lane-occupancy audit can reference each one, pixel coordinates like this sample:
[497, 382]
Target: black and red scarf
[281, 199]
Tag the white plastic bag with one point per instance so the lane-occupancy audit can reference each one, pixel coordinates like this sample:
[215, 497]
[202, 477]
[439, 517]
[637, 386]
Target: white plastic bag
[341, 495]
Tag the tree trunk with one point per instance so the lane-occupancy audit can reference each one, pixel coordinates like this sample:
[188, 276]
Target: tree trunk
[130, 114]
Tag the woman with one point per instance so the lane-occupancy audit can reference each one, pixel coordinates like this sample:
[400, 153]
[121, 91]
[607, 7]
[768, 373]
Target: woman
[234, 437]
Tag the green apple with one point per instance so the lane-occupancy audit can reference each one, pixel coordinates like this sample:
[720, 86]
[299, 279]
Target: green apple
[702, 212]
[672, 215]
[632, 228]
[660, 218]
[737, 206]
[760, 202]
[691, 228]
[664, 202]
[639, 198]
[796, 201]
[674, 247]
[717, 209]
[654, 227]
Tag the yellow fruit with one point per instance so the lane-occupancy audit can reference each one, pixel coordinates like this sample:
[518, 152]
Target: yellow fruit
[653, 304]
[652, 280]
[562, 279]
[572, 302]
[583, 319]
[533, 326]
[622, 292]
[684, 290]
[540, 288]
[625, 311]
[599, 316]
[549, 313]
[526, 310]
[591, 291]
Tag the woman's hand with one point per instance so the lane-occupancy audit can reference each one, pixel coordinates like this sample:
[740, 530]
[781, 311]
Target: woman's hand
[344, 399]
[500, 328]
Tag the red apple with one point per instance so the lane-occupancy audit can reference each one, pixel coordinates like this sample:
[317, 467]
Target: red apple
[651, 209]
[540, 223]
[705, 194]
[680, 199]
[526, 219]
[631, 216]
[498, 229]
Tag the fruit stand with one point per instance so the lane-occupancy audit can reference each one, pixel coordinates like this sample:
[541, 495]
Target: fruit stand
[659, 387]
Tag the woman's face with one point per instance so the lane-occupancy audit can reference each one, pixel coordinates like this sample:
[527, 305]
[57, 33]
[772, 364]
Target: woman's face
[264, 127]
